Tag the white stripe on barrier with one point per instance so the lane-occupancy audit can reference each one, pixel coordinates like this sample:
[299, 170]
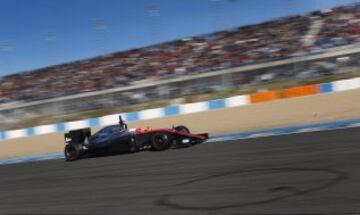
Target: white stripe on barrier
[151, 113]
[110, 119]
[237, 101]
[44, 129]
[16, 133]
[76, 125]
[348, 84]
[194, 107]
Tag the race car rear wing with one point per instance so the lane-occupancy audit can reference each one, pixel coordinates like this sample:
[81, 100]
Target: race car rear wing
[77, 136]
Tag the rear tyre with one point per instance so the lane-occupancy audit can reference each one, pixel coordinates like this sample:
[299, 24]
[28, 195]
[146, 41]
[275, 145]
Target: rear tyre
[132, 146]
[72, 152]
[182, 129]
[160, 142]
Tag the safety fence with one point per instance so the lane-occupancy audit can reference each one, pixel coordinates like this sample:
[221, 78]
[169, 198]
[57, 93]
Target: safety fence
[236, 101]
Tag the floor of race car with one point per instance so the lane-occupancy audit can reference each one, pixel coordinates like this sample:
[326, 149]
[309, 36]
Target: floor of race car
[308, 173]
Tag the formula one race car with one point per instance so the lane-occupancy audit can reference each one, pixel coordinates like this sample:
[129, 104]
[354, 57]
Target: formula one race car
[115, 139]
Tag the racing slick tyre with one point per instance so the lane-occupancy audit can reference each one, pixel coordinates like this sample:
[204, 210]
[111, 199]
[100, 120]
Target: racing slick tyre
[160, 142]
[182, 129]
[132, 148]
[72, 152]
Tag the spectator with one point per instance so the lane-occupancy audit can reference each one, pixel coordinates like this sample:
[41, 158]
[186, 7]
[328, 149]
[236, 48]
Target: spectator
[264, 42]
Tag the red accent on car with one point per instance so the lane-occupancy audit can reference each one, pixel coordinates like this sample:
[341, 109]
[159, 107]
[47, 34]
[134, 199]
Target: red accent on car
[140, 131]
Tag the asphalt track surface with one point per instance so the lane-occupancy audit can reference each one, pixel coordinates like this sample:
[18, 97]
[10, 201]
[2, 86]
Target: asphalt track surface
[309, 174]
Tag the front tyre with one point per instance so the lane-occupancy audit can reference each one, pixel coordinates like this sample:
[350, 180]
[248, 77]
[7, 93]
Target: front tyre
[72, 152]
[160, 142]
[182, 129]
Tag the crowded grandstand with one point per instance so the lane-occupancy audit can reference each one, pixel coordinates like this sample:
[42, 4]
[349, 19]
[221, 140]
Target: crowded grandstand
[129, 72]
[274, 40]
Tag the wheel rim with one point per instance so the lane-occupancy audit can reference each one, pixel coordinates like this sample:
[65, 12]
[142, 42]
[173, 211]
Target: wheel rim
[160, 142]
[70, 152]
[183, 130]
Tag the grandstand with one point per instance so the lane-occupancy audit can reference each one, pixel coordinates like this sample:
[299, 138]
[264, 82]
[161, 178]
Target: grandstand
[298, 47]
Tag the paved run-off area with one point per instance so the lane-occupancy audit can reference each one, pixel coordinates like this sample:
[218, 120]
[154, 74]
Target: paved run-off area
[310, 173]
[280, 113]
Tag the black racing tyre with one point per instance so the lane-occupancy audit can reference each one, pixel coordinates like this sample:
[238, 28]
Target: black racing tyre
[72, 152]
[182, 129]
[160, 142]
[132, 147]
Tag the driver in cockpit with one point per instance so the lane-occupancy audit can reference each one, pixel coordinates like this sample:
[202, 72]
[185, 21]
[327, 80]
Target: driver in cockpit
[122, 123]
